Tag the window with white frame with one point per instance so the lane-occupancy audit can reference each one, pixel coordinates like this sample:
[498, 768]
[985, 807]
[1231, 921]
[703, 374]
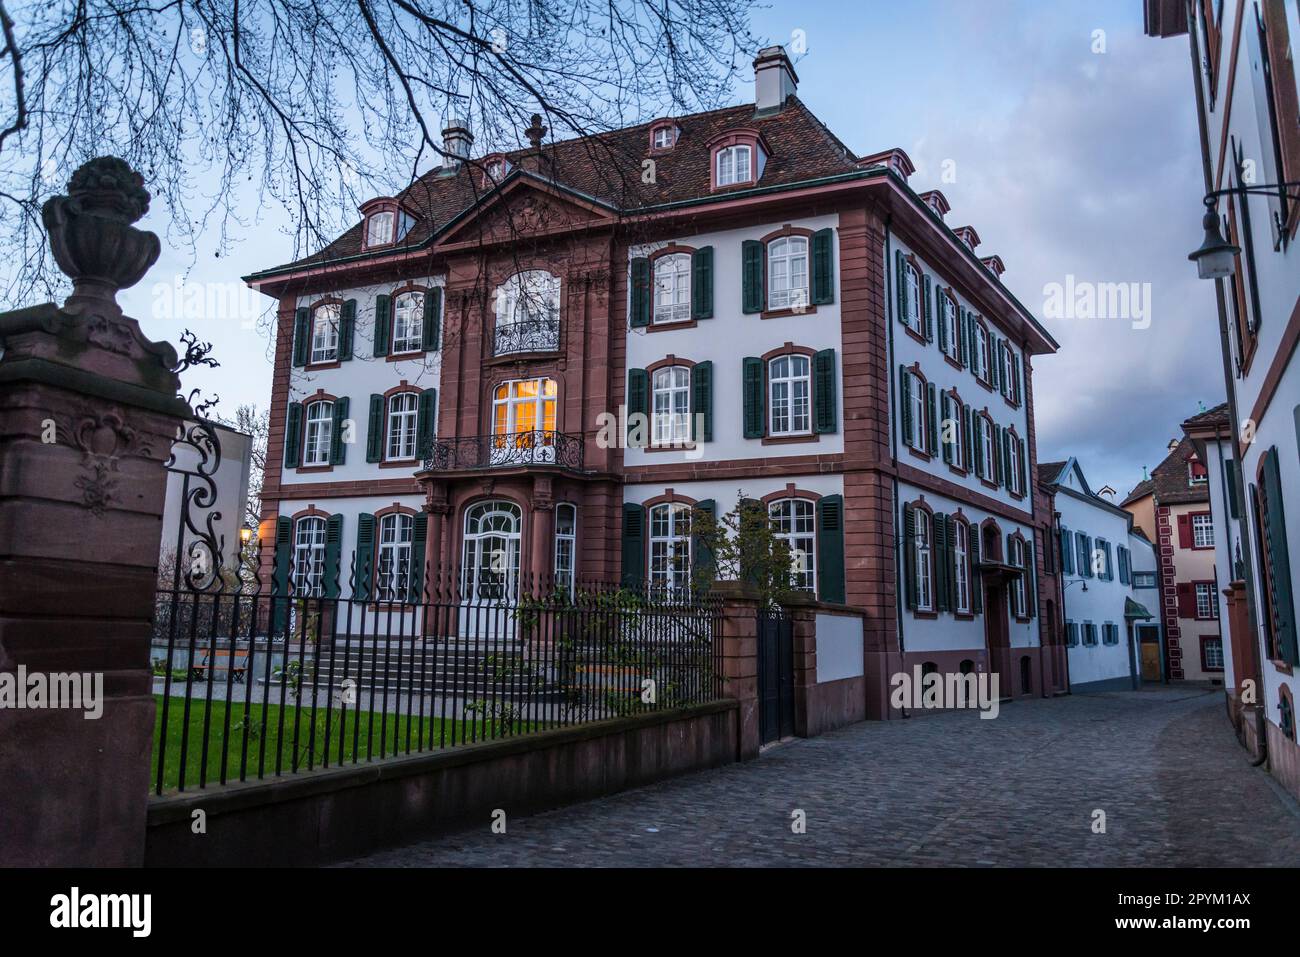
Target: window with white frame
[787, 272]
[309, 557]
[664, 138]
[524, 405]
[379, 228]
[961, 578]
[1144, 579]
[393, 570]
[794, 521]
[790, 395]
[670, 546]
[320, 422]
[491, 550]
[325, 332]
[1013, 461]
[1202, 530]
[566, 544]
[1197, 473]
[950, 428]
[987, 451]
[924, 560]
[1212, 652]
[948, 316]
[912, 277]
[1207, 600]
[673, 288]
[671, 397]
[979, 361]
[1008, 375]
[1016, 557]
[408, 322]
[734, 164]
[917, 407]
[402, 412]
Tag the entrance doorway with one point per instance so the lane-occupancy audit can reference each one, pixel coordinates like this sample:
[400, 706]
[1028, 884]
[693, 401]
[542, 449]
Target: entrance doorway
[1149, 642]
[997, 637]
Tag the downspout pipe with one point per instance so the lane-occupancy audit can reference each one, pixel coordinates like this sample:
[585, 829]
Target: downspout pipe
[890, 318]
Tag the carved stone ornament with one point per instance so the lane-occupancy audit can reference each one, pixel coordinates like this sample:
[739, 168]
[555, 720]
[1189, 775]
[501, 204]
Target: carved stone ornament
[103, 439]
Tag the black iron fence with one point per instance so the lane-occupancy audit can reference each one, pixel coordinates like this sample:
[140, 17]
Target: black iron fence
[252, 683]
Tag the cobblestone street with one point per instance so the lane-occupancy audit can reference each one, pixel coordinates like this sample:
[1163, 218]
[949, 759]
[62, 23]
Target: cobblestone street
[944, 789]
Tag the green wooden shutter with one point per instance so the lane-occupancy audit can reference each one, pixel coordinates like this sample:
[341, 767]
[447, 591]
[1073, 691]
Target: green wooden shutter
[301, 336]
[283, 561]
[1024, 475]
[333, 543]
[293, 436]
[963, 338]
[1031, 587]
[825, 395]
[823, 268]
[702, 283]
[640, 293]
[932, 416]
[339, 448]
[1279, 559]
[752, 292]
[905, 401]
[967, 421]
[929, 310]
[432, 339]
[1230, 483]
[704, 564]
[347, 329]
[702, 401]
[900, 299]
[938, 561]
[976, 585]
[1016, 392]
[1067, 551]
[375, 429]
[909, 555]
[1124, 576]
[945, 416]
[944, 332]
[972, 342]
[383, 316]
[633, 545]
[363, 559]
[755, 418]
[638, 408]
[419, 535]
[426, 421]
[977, 443]
[830, 548]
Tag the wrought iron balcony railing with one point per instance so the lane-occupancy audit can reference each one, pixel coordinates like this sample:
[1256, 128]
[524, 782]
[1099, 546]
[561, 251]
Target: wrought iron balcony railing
[511, 449]
[529, 335]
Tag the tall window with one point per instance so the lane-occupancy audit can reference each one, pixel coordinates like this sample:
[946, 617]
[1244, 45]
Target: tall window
[309, 557]
[1212, 653]
[789, 390]
[379, 229]
[1202, 530]
[670, 546]
[1013, 463]
[787, 272]
[524, 405]
[987, 451]
[948, 316]
[734, 164]
[672, 405]
[924, 561]
[673, 288]
[913, 279]
[951, 429]
[1008, 374]
[794, 522]
[491, 550]
[1016, 557]
[1207, 600]
[320, 421]
[919, 413]
[979, 361]
[402, 412]
[566, 544]
[325, 332]
[528, 313]
[961, 579]
[393, 570]
[408, 322]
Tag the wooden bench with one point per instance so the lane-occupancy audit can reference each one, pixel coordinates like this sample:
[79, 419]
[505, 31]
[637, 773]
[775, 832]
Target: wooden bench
[218, 659]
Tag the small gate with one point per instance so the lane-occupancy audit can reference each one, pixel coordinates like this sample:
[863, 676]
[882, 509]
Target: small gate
[775, 676]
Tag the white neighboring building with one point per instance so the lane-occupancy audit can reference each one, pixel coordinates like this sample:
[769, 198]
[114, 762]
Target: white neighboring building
[1098, 555]
[230, 478]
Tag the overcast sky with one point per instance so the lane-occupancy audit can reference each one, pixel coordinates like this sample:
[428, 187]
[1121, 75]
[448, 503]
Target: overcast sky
[1068, 162]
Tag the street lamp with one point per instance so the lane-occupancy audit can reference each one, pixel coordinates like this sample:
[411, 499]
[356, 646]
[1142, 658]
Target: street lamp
[245, 535]
[1217, 258]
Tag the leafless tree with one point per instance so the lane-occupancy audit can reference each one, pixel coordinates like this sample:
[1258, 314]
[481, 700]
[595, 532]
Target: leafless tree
[254, 422]
[227, 107]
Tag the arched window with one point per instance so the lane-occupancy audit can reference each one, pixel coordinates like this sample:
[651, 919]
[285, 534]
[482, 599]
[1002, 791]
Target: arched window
[988, 450]
[379, 228]
[671, 393]
[924, 561]
[789, 395]
[566, 544]
[309, 557]
[491, 550]
[393, 570]
[403, 411]
[670, 546]
[794, 522]
[948, 318]
[673, 288]
[979, 362]
[913, 280]
[962, 576]
[408, 323]
[734, 165]
[787, 272]
[325, 332]
[1016, 557]
[528, 313]
[919, 411]
[318, 433]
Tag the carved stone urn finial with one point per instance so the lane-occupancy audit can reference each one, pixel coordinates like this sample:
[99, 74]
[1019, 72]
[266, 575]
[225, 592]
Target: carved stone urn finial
[92, 237]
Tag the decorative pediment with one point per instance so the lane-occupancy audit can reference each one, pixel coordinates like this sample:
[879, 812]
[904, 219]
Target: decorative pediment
[525, 206]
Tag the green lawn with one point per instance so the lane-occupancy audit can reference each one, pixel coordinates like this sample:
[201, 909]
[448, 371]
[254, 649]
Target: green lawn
[377, 738]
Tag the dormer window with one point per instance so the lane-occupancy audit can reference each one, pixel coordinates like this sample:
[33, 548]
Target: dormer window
[1197, 474]
[379, 229]
[733, 165]
[495, 169]
[663, 137]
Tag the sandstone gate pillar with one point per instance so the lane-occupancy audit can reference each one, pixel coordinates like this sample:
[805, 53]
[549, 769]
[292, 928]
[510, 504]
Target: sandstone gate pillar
[88, 413]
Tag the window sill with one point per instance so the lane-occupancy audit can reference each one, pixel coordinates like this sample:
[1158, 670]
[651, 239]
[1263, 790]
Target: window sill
[955, 363]
[1282, 666]
[958, 471]
[922, 613]
[987, 484]
[317, 366]
[406, 356]
[986, 386]
[917, 453]
[791, 439]
[680, 447]
[964, 615]
[398, 463]
[313, 469]
[915, 335]
[787, 311]
[668, 326]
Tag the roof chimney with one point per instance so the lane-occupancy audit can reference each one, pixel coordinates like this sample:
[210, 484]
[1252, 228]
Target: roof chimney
[456, 143]
[774, 80]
